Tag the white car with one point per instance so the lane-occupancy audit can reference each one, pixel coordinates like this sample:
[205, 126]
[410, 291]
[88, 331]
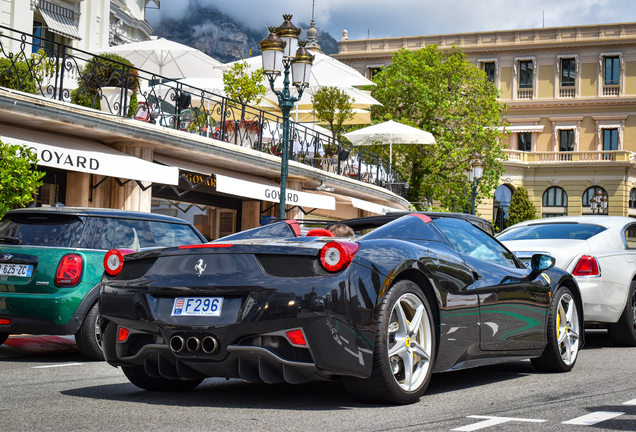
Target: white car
[600, 252]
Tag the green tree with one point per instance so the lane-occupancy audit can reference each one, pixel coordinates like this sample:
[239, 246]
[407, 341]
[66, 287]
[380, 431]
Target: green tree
[521, 209]
[441, 92]
[19, 177]
[332, 105]
[244, 86]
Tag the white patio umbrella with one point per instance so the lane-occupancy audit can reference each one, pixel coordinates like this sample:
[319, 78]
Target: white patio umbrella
[360, 99]
[325, 71]
[166, 58]
[393, 132]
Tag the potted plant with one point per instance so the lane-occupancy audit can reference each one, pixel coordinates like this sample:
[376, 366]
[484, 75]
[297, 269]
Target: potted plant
[102, 82]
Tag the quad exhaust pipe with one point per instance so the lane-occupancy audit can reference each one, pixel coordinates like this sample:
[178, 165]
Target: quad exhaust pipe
[208, 345]
[177, 343]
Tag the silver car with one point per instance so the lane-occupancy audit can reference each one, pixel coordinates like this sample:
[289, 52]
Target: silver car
[600, 252]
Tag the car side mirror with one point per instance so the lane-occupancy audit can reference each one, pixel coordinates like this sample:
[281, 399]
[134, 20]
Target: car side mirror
[541, 263]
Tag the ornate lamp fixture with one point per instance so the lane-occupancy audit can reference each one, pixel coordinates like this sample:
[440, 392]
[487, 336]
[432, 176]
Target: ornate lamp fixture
[282, 51]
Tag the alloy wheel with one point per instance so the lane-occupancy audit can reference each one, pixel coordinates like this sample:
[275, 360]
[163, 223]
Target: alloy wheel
[568, 329]
[409, 342]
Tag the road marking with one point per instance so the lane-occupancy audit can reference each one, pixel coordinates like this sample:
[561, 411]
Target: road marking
[631, 402]
[493, 421]
[59, 365]
[593, 418]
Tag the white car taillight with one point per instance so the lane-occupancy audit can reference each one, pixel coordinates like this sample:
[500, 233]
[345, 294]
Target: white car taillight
[587, 266]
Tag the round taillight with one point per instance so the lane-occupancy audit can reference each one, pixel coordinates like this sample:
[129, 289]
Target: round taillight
[336, 256]
[114, 260]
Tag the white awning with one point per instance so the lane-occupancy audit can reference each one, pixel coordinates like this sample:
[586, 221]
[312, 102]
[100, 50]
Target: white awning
[520, 128]
[250, 187]
[372, 207]
[59, 20]
[74, 154]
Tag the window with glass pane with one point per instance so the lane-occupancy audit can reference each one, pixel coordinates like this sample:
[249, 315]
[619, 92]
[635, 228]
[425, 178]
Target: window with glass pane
[566, 140]
[373, 71]
[524, 141]
[632, 198]
[568, 72]
[526, 70]
[489, 68]
[610, 139]
[612, 69]
[555, 197]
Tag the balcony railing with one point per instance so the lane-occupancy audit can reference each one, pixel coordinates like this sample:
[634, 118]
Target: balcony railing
[580, 156]
[71, 75]
[611, 90]
[566, 92]
[524, 94]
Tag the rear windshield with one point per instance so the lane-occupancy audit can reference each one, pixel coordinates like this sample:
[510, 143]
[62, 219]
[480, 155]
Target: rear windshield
[42, 230]
[112, 233]
[563, 231]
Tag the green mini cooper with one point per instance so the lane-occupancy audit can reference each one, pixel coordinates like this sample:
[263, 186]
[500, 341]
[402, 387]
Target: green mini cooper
[51, 260]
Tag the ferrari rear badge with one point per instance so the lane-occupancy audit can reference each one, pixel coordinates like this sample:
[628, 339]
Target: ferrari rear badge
[200, 267]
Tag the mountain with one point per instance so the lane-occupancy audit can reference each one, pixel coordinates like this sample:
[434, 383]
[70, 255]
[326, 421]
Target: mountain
[207, 29]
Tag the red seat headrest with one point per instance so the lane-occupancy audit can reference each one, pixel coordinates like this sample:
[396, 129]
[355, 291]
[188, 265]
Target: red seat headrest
[319, 232]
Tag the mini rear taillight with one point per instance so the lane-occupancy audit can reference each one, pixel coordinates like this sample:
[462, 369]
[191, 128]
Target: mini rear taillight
[296, 337]
[114, 260]
[5, 321]
[69, 270]
[336, 256]
[587, 266]
[122, 334]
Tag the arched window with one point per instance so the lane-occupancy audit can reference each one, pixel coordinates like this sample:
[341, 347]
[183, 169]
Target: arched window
[590, 193]
[632, 198]
[555, 197]
[503, 195]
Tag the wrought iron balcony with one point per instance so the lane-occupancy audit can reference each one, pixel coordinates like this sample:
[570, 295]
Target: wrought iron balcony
[71, 75]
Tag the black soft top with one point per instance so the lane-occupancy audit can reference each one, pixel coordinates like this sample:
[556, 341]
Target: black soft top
[376, 221]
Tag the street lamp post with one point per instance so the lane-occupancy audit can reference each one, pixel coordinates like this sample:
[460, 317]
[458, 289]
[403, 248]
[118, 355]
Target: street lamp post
[474, 172]
[282, 51]
[598, 203]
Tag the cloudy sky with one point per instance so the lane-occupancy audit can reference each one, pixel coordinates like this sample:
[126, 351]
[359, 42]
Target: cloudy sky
[381, 18]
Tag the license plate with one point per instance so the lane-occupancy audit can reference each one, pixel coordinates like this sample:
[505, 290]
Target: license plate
[19, 270]
[197, 306]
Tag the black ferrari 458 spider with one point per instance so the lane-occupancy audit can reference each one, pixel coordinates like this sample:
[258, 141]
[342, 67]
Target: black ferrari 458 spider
[410, 295]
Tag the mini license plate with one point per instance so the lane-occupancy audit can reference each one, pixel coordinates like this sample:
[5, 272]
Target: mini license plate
[19, 270]
[197, 306]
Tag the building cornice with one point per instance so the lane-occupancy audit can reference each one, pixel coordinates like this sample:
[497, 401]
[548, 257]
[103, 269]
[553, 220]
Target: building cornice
[501, 41]
[572, 103]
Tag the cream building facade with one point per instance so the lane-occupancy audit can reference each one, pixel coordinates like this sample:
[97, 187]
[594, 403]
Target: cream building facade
[83, 24]
[571, 93]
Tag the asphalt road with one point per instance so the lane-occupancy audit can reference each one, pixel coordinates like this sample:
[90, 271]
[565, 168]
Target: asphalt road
[45, 385]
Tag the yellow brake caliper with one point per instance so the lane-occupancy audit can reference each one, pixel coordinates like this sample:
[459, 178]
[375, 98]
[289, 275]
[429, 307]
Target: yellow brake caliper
[558, 325]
